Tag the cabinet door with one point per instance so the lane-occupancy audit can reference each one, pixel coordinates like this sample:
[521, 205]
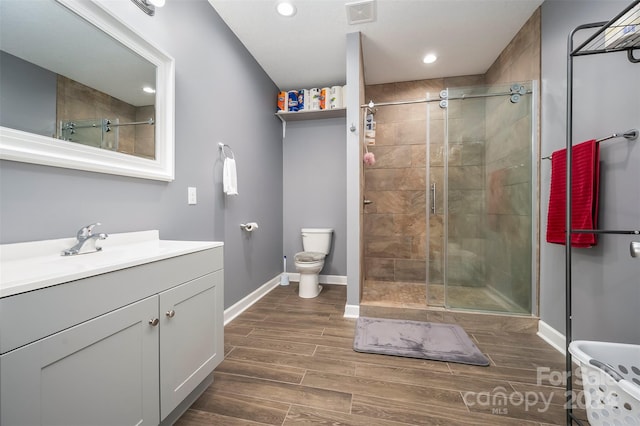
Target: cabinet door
[101, 372]
[191, 337]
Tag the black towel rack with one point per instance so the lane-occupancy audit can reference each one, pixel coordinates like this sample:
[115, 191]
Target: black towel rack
[595, 44]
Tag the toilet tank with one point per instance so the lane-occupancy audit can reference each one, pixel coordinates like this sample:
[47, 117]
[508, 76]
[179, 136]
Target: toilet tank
[317, 239]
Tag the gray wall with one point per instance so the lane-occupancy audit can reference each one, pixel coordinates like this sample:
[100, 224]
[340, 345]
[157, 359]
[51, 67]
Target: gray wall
[606, 287]
[314, 187]
[28, 100]
[354, 177]
[215, 76]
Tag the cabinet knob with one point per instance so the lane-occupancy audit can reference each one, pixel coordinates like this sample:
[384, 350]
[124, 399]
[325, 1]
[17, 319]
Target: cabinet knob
[153, 322]
[171, 313]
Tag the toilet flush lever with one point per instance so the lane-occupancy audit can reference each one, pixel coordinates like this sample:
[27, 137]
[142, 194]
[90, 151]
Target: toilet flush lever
[634, 247]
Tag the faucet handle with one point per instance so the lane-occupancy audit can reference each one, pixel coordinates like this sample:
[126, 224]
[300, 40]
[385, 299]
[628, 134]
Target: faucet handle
[87, 230]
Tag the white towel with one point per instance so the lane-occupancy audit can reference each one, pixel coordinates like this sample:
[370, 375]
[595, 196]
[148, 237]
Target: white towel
[229, 177]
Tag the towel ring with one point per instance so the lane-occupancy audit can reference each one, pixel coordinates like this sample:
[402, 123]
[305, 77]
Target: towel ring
[224, 153]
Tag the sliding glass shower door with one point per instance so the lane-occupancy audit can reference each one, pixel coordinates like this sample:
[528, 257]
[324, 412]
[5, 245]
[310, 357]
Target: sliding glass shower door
[481, 181]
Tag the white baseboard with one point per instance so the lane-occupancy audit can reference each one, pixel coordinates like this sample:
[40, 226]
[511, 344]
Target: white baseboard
[552, 336]
[242, 305]
[322, 279]
[351, 311]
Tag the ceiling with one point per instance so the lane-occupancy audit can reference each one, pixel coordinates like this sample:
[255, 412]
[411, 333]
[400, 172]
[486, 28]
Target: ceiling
[308, 49]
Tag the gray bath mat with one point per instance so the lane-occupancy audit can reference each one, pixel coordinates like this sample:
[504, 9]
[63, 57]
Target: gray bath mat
[415, 339]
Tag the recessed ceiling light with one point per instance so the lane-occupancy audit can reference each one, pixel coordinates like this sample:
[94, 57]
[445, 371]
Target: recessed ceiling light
[429, 59]
[286, 8]
[148, 89]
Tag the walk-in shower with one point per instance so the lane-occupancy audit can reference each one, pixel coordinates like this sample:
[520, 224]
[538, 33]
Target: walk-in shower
[452, 218]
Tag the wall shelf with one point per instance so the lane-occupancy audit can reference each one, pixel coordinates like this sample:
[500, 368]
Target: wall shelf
[312, 115]
[614, 36]
[309, 115]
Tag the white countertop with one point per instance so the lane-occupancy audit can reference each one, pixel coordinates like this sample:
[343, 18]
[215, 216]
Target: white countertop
[38, 264]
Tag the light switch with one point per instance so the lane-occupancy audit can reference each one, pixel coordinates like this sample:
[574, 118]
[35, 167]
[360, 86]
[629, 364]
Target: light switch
[192, 196]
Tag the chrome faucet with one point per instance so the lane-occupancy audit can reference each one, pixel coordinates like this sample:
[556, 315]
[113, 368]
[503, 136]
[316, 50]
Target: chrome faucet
[85, 236]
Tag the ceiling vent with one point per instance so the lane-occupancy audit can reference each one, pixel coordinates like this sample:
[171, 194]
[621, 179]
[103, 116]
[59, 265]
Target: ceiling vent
[360, 12]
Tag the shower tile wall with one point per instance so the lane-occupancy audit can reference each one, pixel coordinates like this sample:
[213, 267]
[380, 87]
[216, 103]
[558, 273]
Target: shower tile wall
[76, 101]
[395, 223]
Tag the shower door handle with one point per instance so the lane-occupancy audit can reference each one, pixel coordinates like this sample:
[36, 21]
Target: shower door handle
[433, 198]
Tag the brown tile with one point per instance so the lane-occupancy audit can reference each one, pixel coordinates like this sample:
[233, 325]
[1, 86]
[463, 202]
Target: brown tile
[386, 134]
[270, 344]
[389, 247]
[397, 202]
[379, 269]
[379, 225]
[391, 156]
[380, 388]
[395, 179]
[381, 92]
[425, 414]
[413, 131]
[410, 270]
[418, 377]
[418, 156]
[292, 360]
[233, 405]
[517, 407]
[206, 418]
[313, 416]
[330, 336]
[287, 393]
[269, 371]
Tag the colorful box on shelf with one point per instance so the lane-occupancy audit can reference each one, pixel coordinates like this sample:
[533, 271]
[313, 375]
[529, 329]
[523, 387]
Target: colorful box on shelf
[312, 99]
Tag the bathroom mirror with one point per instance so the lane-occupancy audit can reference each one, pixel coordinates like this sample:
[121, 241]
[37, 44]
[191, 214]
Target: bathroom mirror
[76, 99]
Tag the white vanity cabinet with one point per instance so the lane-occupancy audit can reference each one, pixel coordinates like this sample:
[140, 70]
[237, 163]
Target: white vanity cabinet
[101, 372]
[191, 337]
[121, 348]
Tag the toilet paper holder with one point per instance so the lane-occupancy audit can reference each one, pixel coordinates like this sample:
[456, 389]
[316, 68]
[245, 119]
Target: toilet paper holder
[249, 227]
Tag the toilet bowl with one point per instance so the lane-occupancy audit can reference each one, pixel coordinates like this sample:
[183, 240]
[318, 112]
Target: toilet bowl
[316, 243]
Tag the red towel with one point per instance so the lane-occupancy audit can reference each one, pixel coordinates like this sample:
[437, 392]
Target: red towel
[584, 194]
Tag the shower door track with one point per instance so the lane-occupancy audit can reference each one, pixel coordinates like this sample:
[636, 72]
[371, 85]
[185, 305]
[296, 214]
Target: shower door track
[420, 101]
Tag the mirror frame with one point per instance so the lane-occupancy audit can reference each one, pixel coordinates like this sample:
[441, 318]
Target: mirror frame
[17, 145]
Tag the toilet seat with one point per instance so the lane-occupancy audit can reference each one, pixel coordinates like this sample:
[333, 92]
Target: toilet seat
[308, 257]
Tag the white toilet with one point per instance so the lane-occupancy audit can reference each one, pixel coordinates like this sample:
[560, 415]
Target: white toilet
[316, 243]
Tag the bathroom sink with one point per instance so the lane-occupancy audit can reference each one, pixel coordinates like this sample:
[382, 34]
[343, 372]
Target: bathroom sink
[34, 265]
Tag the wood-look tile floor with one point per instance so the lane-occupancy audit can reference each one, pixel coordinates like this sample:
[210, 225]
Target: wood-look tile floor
[291, 361]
